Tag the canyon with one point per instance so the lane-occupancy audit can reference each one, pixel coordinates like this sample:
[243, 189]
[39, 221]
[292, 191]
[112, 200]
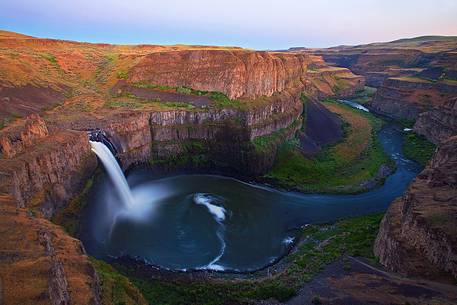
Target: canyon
[415, 79]
[55, 92]
[416, 83]
[184, 108]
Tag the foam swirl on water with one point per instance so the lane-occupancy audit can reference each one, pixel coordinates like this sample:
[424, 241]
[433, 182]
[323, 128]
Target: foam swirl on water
[218, 213]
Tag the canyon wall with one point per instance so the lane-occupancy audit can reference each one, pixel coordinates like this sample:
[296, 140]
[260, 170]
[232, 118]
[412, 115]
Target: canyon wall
[234, 72]
[44, 170]
[376, 64]
[418, 234]
[237, 73]
[416, 79]
[438, 124]
[67, 87]
[40, 264]
[408, 97]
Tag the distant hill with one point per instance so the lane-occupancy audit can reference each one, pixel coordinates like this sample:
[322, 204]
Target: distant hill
[427, 44]
[425, 39]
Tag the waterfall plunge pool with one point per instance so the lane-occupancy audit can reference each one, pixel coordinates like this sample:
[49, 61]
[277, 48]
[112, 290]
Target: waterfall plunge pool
[192, 222]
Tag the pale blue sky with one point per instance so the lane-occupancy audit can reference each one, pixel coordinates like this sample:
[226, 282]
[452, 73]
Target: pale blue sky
[258, 24]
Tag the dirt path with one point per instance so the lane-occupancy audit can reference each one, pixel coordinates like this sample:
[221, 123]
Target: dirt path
[351, 281]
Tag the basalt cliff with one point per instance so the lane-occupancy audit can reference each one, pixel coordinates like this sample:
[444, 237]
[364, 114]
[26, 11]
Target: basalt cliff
[416, 79]
[418, 235]
[174, 107]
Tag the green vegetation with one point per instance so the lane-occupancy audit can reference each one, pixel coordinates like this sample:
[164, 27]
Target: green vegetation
[4, 122]
[51, 58]
[304, 98]
[69, 217]
[132, 102]
[116, 288]
[8, 120]
[339, 168]
[220, 99]
[264, 143]
[407, 123]
[414, 79]
[184, 90]
[112, 56]
[418, 148]
[304, 115]
[211, 293]
[152, 86]
[320, 245]
[192, 152]
[364, 96]
[180, 105]
[122, 74]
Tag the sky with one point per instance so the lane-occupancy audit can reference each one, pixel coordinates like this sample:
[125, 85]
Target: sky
[256, 24]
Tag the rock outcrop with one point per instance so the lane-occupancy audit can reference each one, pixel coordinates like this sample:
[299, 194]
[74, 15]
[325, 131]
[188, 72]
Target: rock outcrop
[438, 124]
[40, 264]
[44, 170]
[418, 234]
[406, 98]
[57, 70]
[19, 138]
[237, 73]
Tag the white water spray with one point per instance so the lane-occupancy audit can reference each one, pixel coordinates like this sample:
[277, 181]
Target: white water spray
[114, 172]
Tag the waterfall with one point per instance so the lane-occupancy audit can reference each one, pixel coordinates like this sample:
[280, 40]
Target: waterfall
[114, 172]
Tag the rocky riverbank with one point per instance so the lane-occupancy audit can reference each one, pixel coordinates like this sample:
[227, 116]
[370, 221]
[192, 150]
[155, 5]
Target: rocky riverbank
[418, 234]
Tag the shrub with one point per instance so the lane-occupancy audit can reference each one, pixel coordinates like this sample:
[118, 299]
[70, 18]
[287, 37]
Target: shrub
[418, 148]
[49, 57]
[184, 90]
[122, 74]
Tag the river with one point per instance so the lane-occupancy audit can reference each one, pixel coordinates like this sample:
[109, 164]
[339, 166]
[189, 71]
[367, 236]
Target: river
[213, 222]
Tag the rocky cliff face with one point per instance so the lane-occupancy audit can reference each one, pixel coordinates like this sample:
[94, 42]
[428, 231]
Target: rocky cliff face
[51, 71]
[438, 124]
[225, 138]
[376, 64]
[418, 235]
[406, 98]
[46, 160]
[45, 171]
[22, 136]
[235, 72]
[41, 264]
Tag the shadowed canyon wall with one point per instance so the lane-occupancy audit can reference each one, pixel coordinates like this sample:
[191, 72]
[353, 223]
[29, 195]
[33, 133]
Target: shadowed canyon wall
[418, 234]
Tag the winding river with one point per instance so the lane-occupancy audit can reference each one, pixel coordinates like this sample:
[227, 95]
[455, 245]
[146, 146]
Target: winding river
[219, 223]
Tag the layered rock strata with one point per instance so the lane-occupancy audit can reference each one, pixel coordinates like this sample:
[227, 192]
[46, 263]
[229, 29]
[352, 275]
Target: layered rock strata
[438, 124]
[40, 264]
[416, 78]
[237, 73]
[406, 98]
[418, 234]
[51, 173]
